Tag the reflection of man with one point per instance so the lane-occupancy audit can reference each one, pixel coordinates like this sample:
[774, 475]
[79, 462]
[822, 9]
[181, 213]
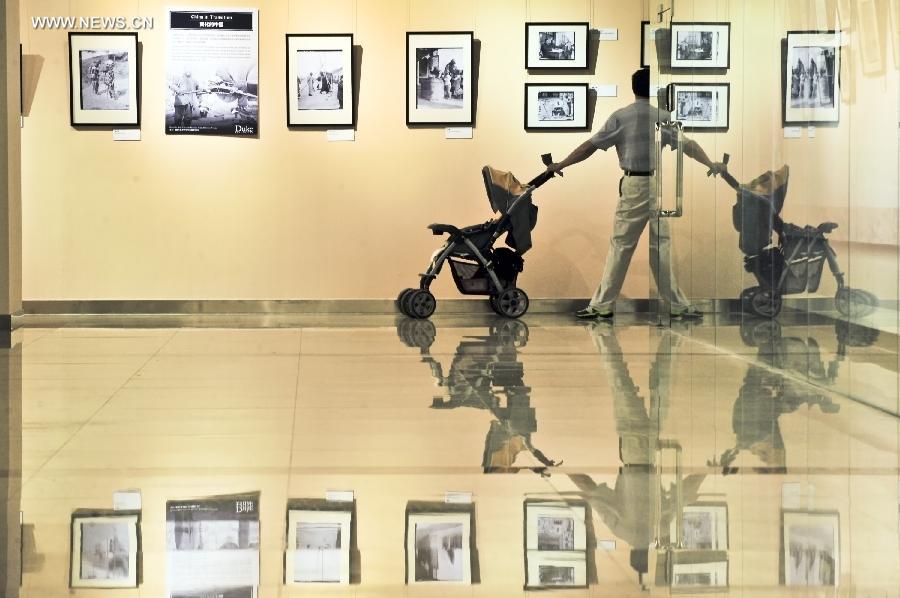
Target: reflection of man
[185, 88]
[631, 131]
[638, 509]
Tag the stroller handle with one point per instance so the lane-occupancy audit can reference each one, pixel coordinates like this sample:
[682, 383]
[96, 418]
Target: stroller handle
[727, 176]
[545, 176]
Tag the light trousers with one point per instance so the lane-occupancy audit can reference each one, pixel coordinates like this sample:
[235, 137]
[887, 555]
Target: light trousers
[637, 199]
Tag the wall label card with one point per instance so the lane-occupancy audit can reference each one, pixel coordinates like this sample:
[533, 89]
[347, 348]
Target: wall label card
[126, 134]
[459, 133]
[212, 75]
[341, 135]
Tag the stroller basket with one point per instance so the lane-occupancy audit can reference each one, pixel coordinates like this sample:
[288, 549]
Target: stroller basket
[470, 277]
[805, 259]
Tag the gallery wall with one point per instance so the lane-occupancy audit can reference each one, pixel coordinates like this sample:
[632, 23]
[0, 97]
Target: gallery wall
[291, 216]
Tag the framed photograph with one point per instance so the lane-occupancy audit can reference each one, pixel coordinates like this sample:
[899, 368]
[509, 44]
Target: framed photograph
[648, 43]
[811, 548]
[439, 79]
[320, 80]
[555, 545]
[704, 527]
[318, 547]
[438, 549]
[812, 70]
[701, 45]
[104, 80]
[105, 549]
[556, 45]
[557, 106]
[701, 106]
[693, 577]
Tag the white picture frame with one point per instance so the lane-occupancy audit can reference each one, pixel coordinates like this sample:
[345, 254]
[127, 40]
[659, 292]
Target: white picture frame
[701, 106]
[812, 99]
[438, 550]
[692, 577]
[105, 550]
[553, 46]
[556, 545]
[322, 96]
[556, 106]
[325, 560]
[701, 46]
[704, 527]
[440, 85]
[815, 535]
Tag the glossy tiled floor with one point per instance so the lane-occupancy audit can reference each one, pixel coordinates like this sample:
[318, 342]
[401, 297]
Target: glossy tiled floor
[640, 424]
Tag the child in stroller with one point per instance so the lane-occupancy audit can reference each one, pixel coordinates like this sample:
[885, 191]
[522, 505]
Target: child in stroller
[794, 265]
[477, 267]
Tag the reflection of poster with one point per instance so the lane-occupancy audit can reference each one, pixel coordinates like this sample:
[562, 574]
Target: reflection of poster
[213, 72]
[212, 547]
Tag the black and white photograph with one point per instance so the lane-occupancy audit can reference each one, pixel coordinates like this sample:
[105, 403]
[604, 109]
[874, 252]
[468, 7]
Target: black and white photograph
[709, 574]
[439, 552]
[701, 106]
[701, 45]
[212, 72]
[318, 547]
[704, 527]
[320, 80]
[556, 106]
[556, 533]
[212, 545]
[556, 576]
[437, 546]
[556, 45]
[811, 549]
[105, 79]
[812, 73]
[105, 550]
[440, 86]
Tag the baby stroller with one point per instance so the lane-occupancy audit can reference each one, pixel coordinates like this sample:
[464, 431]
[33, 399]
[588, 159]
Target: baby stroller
[477, 267]
[794, 265]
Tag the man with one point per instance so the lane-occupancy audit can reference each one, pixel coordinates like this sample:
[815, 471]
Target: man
[632, 131]
[185, 89]
[94, 74]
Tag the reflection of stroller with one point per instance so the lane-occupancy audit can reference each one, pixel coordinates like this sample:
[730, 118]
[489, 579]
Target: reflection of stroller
[478, 268]
[793, 266]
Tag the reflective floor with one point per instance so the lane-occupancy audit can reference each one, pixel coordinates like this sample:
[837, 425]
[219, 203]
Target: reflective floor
[626, 459]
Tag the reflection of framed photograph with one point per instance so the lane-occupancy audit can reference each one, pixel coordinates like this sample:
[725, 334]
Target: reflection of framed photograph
[811, 548]
[439, 85]
[701, 45]
[704, 527]
[695, 576]
[556, 106]
[555, 545]
[812, 70]
[701, 106]
[105, 550]
[648, 43]
[320, 80]
[318, 547]
[556, 45]
[438, 548]
[104, 79]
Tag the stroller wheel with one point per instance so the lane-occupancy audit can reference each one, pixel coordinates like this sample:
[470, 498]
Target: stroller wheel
[765, 303]
[401, 298]
[853, 303]
[511, 303]
[420, 304]
[417, 333]
[512, 333]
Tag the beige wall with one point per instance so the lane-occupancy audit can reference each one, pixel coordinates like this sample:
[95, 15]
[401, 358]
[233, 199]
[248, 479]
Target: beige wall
[291, 216]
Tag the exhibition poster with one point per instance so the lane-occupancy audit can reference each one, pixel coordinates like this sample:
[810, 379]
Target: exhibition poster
[213, 72]
[212, 547]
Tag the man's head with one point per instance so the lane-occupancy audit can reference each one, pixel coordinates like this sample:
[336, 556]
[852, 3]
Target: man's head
[640, 82]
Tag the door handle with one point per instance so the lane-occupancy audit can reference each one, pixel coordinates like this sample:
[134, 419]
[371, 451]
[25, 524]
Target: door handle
[678, 212]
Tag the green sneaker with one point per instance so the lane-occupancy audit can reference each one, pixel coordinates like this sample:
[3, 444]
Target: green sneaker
[592, 313]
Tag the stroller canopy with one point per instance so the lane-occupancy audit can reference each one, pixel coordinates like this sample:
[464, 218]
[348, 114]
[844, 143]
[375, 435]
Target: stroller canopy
[503, 189]
[757, 211]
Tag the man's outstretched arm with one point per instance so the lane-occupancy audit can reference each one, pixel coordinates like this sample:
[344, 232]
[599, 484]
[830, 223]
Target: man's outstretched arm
[579, 154]
[693, 150]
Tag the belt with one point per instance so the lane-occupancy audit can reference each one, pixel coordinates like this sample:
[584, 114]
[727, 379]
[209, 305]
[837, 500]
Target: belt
[639, 173]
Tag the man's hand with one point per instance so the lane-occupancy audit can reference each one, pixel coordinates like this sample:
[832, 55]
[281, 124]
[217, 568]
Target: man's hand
[555, 167]
[717, 168]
